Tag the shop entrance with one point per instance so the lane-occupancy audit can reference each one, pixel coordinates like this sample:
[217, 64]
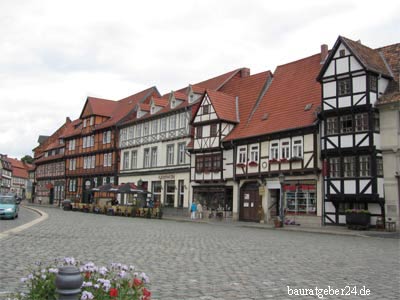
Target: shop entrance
[250, 200]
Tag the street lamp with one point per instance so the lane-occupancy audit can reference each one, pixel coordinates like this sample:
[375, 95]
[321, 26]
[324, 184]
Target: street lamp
[281, 213]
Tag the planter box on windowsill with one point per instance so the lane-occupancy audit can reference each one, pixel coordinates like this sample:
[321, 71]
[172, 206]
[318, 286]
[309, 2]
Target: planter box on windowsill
[284, 160]
[358, 220]
[253, 164]
[273, 161]
[296, 159]
[240, 165]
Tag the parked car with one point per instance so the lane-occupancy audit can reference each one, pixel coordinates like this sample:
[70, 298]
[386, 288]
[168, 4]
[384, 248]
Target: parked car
[9, 206]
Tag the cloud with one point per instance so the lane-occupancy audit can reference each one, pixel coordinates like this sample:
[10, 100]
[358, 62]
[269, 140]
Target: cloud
[53, 54]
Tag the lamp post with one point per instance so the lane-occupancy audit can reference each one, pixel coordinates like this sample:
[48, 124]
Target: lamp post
[281, 212]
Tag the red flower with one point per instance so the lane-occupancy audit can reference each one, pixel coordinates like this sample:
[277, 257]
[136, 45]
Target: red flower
[137, 282]
[87, 275]
[146, 294]
[113, 292]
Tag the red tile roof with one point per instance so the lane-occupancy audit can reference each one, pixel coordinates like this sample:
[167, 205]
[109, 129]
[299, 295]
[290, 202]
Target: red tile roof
[282, 107]
[224, 105]
[19, 169]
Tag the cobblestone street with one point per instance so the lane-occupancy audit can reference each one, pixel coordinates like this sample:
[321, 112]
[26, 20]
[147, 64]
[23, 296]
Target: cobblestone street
[208, 261]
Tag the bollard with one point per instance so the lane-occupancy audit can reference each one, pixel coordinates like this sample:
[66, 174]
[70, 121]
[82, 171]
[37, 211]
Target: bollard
[68, 283]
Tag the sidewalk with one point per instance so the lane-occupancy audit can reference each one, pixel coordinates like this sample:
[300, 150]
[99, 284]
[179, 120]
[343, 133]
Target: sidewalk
[333, 230]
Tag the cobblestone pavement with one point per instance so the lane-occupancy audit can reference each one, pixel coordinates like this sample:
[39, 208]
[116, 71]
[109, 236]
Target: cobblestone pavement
[25, 215]
[208, 261]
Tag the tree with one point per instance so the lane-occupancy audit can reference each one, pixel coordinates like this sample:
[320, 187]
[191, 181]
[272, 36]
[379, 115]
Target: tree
[27, 159]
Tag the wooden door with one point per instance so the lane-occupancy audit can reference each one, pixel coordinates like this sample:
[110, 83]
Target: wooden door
[250, 200]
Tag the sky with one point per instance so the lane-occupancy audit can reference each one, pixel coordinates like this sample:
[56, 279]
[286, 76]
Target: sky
[56, 53]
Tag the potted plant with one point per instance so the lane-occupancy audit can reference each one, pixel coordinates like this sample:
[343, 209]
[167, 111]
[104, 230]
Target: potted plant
[240, 165]
[253, 164]
[358, 218]
[273, 161]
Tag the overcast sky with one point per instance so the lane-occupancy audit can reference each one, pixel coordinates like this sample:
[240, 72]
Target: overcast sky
[53, 54]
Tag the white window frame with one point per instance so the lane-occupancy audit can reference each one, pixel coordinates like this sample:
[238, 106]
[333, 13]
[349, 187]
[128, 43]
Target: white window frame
[274, 150]
[170, 154]
[125, 160]
[254, 153]
[91, 121]
[153, 156]
[163, 125]
[242, 155]
[134, 159]
[181, 153]
[172, 122]
[297, 147]
[182, 120]
[146, 158]
[285, 149]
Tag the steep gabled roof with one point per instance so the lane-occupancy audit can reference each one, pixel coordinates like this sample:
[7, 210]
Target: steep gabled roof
[369, 58]
[282, 107]
[225, 105]
[99, 107]
[18, 168]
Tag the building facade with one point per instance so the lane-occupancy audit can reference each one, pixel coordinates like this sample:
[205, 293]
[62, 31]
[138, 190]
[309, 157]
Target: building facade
[353, 79]
[5, 174]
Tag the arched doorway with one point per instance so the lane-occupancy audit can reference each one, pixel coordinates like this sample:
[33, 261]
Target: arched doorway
[250, 200]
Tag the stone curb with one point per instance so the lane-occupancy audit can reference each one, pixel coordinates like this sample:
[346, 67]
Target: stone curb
[43, 216]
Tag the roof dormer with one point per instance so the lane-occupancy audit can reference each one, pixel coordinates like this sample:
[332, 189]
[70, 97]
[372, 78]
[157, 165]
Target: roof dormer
[156, 104]
[142, 110]
[193, 94]
[175, 99]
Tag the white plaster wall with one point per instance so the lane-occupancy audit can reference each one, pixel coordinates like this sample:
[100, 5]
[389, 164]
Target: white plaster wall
[363, 184]
[354, 65]
[349, 186]
[228, 163]
[342, 65]
[344, 101]
[329, 89]
[346, 141]
[359, 84]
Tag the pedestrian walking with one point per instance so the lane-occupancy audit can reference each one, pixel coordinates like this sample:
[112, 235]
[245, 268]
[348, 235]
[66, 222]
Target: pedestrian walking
[193, 210]
[200, 210]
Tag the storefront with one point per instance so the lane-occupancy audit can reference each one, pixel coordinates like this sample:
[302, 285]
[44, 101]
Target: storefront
[216, 200]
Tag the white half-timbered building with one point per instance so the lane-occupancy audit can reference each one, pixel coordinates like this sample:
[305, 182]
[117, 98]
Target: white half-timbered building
[279, 137]
[212, 163]
[353, 78]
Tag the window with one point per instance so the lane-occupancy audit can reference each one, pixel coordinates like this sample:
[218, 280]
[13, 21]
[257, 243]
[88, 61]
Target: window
[84, 145]
[199, 132]
[285, 149]
[172, 122]
[349, 166]
[344, 87]
[365, 166]
[242, 155]
[169, 193]
[154, 157]
[206, 109]
[125, 160]
[274, 151]
[254, 153]
[209, 163]
[71, 145]
[156, 190]
[93, 162]
[332, 126]
[107, 136]
[84, 123]
[342, 52]
[199, 163]
[107, 160]
[134, 159]
[373, 83]
[72, 164]
[213, 129]
[361, 122]
[297, 148]
[146, 129]
[138, 130]
[181, 193]
[154, 126]
[376, 123]
[301, 198]
[91, 121]
[170, 154]
[379, 166]
[72, 185]
[346, 124]
[146, 158]
[91, 141]
[334, 167]
[163, 125]
[182, 120]
[181, 153]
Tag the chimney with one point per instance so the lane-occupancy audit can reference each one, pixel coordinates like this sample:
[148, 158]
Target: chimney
[244, 72]
[324, 53]
[67, 120]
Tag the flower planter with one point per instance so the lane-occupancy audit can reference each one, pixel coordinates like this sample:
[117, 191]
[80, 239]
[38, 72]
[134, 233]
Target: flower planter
[358, 220]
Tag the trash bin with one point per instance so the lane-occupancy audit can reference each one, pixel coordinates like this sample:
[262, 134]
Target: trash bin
[67, 204]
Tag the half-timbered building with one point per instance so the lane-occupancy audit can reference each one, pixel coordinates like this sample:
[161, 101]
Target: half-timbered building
[49, 160]
[353, 79]
[155, 138]
[218, 114]
[91, 153]
[278, 135]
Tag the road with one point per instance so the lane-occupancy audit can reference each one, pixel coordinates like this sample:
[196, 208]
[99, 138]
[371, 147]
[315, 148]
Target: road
[189, 260]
